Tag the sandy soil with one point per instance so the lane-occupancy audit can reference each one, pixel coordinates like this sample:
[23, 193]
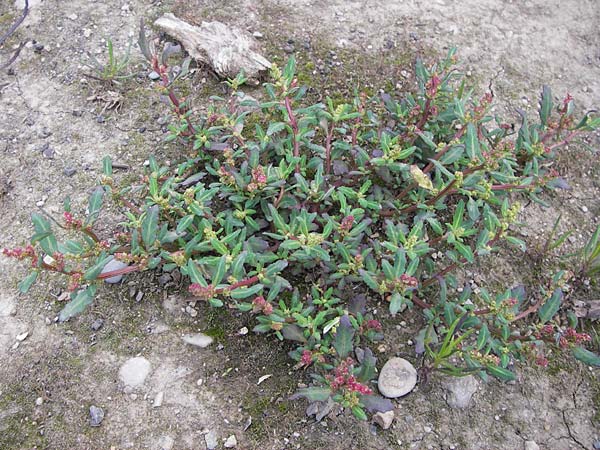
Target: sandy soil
[50, 108]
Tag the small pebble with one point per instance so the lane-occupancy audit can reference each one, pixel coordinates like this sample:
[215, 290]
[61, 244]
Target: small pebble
[96, 416]
[97, 324]
[69, 171]
[153, 76]
[384, 419]
[210, 439]
[198, 340]
[158, 400]
[39, 401]
[257, 35]
[21, 337]
[584, 209]
[166, 443]
[231, 442]
[531, 445]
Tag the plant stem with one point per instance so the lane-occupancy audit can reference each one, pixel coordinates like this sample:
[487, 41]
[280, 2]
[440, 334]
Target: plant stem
[294, 125]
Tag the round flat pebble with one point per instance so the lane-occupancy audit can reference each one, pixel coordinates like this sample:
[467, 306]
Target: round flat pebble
[397, 378]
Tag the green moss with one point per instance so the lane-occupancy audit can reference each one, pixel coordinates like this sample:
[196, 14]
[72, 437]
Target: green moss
[17, 429]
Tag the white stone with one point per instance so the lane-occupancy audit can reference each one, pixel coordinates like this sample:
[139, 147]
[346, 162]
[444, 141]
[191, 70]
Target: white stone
[231, 442]
[211, 440]
[531, 445]
[199, 340]
[397, 378]
[460, 390]
[384, 419]
[134, 371]
[21, 337]
[39, 401]
[158, 400]
[166, 443]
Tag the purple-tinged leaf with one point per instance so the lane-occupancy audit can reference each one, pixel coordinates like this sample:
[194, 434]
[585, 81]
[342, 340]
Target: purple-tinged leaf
[344, 337]
[376, 403]
[357, 304]
[340, 167]
[293, 332]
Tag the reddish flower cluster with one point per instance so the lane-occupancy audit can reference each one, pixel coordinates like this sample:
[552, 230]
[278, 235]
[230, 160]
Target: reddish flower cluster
[373, 325]
[569, 337]
[70, 221]
[408, 281]
[260, 304]
[19, 252]
[565, 105]
[542, 361]
[202, 292]
[343, 379]
[74, 281]
[259, 179]
[432, 86]
[573, 337]
[306, 358]
[346, 224]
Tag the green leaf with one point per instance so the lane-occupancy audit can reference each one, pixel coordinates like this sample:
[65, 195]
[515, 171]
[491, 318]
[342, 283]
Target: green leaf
[396, 303]
[220, 272]
[93, 272]
[500, 373]
[472, 142]
[26, 283]
[194, 273]
[244, 292]
[184, 223]
[344, 337]
[275, 268]
[107, 166]
[41, 226]
[94, 205]
[313, 394]
[359, 413]
[275, 127]
[545, 105]
[215, 303]
[586, 357]
[369, 280]
[79, 301]
[551, 307]
[150, 226]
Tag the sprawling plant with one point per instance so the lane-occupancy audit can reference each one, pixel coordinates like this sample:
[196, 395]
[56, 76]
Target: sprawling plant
[306, 215]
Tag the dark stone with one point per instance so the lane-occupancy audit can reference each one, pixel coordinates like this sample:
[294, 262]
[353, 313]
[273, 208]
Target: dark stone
[97, 324]
[100, 119]
[69, 171]
[47, 151]
[96, 416]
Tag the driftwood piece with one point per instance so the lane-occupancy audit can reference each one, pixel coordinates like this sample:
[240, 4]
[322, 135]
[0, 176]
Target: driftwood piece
[227, 50]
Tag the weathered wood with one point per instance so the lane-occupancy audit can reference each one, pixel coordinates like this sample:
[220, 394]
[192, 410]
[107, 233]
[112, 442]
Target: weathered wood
[228, 50]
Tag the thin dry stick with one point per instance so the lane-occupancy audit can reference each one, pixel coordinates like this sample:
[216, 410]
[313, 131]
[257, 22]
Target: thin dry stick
[15, 25]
